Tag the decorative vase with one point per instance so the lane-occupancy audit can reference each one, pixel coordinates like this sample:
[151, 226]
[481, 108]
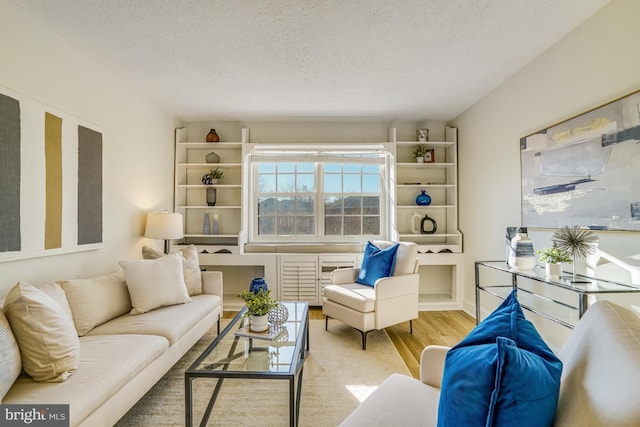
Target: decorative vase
[423, 199]
[419, 159]
[212, 136]
[206, 179]
[212, 194]
[259, 323]
[422, 135]
[215, 225]
[553, 269]
[258, 283]
[423, 224]
[206, 228]
[521, 254]
[212, 157]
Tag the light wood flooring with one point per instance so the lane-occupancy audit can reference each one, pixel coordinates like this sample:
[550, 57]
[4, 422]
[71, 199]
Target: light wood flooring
[431, 328]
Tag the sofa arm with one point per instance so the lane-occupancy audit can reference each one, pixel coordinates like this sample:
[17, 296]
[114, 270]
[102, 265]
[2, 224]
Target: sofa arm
[342, 276]
[212, 283]
[432, 364]
[395, 286]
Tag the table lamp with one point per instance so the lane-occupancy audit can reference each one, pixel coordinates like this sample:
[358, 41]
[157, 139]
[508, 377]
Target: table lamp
[164, 225]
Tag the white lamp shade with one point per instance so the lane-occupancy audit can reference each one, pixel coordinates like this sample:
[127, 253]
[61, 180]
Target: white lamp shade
[164, 225]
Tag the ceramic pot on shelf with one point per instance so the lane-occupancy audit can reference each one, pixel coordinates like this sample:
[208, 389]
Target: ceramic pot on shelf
[212, 157]
[212, 136]
[423, 199]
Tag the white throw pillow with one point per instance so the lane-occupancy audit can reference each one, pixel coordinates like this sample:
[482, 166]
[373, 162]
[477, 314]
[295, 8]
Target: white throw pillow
[45, 333]
[96, 300]
[10, 363]
[190, 266]
[155, 283]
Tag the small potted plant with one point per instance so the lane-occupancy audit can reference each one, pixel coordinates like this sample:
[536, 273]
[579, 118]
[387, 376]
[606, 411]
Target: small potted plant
[213, 176]
[419, 152]
[553, 259]
[259, 304]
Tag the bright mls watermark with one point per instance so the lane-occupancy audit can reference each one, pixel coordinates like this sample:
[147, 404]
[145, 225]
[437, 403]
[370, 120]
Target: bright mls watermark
[34, 415]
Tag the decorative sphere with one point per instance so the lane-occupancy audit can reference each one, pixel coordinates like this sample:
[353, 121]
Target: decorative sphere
[278, 315]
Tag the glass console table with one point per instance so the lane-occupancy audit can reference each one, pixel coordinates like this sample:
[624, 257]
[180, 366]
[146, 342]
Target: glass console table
[540, 294]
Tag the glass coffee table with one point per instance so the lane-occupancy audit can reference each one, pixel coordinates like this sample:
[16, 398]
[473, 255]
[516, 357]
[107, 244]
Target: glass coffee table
[239, 357]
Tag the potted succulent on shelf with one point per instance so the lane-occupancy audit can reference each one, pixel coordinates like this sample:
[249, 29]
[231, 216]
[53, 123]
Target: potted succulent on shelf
[553, 259]
[259, 304]
[419, 152]
[214, 176]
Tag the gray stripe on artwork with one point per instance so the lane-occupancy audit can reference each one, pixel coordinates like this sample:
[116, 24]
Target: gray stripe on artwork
[89, 186]
[9, 174]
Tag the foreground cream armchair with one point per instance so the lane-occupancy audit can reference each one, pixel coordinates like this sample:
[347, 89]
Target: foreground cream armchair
[391, 301]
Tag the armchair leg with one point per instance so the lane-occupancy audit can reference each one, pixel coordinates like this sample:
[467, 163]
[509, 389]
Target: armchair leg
[410, 326]
[364, 339]
[218, 324]
[326, 322]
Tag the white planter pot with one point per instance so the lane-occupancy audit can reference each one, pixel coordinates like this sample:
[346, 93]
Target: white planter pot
[553, 270]
[259, 323]
[420, 159]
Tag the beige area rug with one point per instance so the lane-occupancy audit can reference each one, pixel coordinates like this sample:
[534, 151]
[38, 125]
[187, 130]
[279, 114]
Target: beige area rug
[338, 374]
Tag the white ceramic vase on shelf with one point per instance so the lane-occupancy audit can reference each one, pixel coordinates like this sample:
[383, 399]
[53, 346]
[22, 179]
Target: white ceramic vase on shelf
[259, 323]
[521, 254]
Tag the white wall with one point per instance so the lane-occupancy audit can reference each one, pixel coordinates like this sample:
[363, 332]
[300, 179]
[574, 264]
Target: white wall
[137, 142]
[595, 64]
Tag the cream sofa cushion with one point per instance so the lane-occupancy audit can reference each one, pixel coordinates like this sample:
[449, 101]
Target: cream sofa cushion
[190, 266]
[10, 363]
[96, 300]
[155, 283]
[55, 291]
[45, 333]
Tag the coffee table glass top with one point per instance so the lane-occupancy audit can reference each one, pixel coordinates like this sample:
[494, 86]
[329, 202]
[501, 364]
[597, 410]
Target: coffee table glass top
[229, 354]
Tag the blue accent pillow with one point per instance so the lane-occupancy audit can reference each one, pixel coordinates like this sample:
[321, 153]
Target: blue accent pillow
[377, 263]
[501, 374]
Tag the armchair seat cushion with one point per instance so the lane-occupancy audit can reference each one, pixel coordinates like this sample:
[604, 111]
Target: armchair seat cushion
[361, 298]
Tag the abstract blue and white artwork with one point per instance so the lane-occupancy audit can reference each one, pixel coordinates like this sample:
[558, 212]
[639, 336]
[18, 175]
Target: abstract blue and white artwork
[585, 171]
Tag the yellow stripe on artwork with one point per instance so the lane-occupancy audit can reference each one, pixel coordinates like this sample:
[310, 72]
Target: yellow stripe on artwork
[53, 181]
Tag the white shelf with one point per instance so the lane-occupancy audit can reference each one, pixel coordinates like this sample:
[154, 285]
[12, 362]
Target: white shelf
[210, 145]
[209, 165]
[209, 207]
[439, 253]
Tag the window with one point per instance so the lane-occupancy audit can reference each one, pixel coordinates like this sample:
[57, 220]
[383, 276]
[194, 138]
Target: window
[317, 195]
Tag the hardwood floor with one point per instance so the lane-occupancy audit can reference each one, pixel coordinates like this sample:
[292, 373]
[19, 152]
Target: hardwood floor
[431, 328]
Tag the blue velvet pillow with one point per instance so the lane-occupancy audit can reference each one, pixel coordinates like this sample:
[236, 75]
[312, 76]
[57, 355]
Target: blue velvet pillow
[377, 263]
[501, 374]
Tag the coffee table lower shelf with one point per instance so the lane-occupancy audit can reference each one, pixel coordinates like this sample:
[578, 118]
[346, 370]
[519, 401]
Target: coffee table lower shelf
[236, 358]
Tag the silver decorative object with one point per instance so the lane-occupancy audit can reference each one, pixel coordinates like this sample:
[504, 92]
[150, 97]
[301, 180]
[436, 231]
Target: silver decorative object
[579, 242]
[278, 315]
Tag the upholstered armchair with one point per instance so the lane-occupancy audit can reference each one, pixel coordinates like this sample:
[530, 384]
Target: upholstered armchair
[374, 305]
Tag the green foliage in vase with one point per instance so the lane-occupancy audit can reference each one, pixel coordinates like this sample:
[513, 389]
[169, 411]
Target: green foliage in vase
[216, 173]
[554, 255]
[420, 151]
[259, 303]
[579, 242]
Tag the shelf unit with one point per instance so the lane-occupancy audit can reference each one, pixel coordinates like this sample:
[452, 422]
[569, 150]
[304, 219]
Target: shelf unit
[440, 254]
[439, 180]
[190, 193]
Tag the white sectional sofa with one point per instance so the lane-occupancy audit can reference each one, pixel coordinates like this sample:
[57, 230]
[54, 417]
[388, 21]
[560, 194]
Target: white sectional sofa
[599, 386]
[121, 355]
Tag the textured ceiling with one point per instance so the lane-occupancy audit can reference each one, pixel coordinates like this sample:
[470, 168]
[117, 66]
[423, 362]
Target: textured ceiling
[314, 59]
